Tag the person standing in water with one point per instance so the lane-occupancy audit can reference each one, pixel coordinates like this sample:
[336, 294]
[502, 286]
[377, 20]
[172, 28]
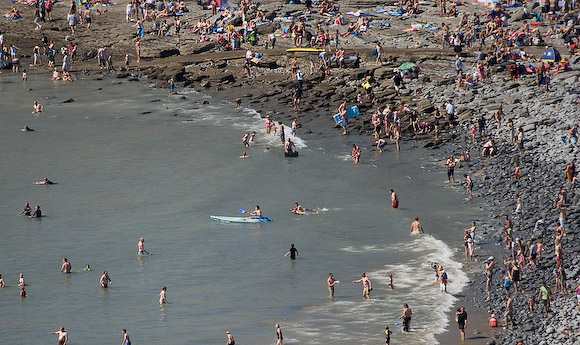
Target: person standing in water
[331, 282]
[141, 247]
[406, 316]
[293, 252]
[279, 336]
[231, 340]
[416, 227]
[62, 336]
[367, 285]
[105, 280]
[163, 296]
[66, 266]
[394, 199]
[126, 339]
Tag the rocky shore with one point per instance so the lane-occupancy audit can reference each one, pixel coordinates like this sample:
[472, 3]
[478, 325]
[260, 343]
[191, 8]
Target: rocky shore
[544, 118]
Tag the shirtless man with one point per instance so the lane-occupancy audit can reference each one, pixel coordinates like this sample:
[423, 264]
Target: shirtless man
[394, 199]
[62, 336]
[163, 296]
[331, 282]
[3, 284]
[231, 340]
[406, 316]
[416, 227]
[105, 280]
[450, 163]
[140, 247]
[44, 181]
[126, 339]
[37, 108]
[391, 284]
[66, 266]
[21, 280]
[367, 285]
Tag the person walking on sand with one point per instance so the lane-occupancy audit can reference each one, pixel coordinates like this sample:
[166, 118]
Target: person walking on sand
[544, 295]
[280, 338]
[62, 336]
[508, 314]
[126, 339]
[394, 199]
[141, 247]
[406, 316]
[293, 252]
[331, 282]
[163, 296]
[105, 280]
[231, 340]
[462, 322]
[367, 285]
[416, 227]
[489, 266]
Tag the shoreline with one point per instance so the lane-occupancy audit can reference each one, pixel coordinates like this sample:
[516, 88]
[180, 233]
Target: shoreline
[215, 76]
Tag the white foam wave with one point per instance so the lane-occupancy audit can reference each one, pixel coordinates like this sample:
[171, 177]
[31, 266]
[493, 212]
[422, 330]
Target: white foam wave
[415, 284]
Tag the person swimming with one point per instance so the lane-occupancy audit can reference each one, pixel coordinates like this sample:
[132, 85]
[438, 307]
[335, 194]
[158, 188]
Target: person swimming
[44, 181]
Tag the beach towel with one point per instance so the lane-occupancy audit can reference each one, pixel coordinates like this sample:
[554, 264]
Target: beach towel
[7, 16]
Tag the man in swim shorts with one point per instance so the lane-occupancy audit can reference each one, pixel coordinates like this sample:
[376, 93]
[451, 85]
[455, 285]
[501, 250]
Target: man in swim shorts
[394, 199]
[331, 282]
[450, 163]
[367, 285]
[62, 336]
[141, 247]
[105, 280]
[126, 339]
[163, 296]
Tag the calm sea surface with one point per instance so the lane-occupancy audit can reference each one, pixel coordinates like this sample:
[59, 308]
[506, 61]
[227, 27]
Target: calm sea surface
[132, 161]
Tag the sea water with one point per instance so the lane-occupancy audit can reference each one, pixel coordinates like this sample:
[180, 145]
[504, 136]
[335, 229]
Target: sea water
[133, 161]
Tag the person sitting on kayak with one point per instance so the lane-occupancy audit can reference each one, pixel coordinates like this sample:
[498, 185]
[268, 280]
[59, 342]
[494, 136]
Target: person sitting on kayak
[256, 213]
[298, 209]
[289, 147]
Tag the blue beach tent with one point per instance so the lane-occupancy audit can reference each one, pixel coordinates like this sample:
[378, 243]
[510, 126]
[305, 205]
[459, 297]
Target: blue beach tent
[551, 55]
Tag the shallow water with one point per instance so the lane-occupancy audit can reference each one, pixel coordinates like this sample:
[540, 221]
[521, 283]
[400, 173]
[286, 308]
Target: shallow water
[128, 167]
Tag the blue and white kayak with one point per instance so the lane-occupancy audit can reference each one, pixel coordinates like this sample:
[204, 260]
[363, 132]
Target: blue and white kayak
[240, 219]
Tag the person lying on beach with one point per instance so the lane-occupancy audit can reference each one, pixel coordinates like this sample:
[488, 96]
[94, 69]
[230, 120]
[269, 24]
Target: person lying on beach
[12, 14]
[44, 181]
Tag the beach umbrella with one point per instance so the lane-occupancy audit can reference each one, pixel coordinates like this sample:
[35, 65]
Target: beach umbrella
[407, 65]
[551, 55]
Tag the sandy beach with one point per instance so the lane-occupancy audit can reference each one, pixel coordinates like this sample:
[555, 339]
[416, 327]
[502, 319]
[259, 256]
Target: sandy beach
[538, 144]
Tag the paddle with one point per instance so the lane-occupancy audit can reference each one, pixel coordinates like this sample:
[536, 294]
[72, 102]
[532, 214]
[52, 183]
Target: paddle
[241, 211]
